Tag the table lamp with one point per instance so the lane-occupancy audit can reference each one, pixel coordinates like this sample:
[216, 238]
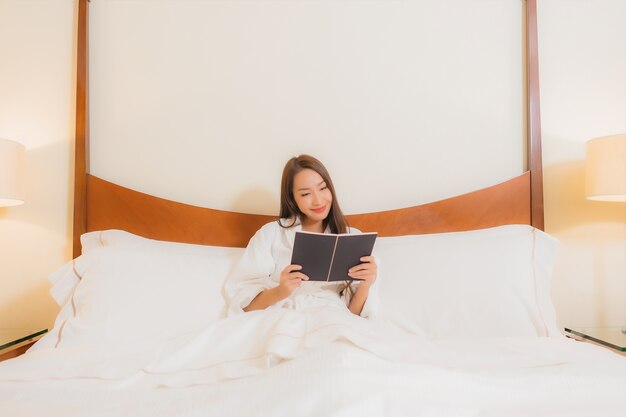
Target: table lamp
[606, 168]
[12, 156]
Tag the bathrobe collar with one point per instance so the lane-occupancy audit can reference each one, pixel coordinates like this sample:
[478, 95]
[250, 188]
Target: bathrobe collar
[297, 227]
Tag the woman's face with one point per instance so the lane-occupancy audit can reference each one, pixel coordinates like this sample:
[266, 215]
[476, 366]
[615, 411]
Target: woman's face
[312, 195]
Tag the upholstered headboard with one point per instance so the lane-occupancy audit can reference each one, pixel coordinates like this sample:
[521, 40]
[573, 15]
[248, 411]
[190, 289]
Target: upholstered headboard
[100, 204]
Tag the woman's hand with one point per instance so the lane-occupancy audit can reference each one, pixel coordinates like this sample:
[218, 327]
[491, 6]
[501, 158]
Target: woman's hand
[290, 279]
[365, 272]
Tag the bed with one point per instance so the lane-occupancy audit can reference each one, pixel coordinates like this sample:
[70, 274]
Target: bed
[142, 328]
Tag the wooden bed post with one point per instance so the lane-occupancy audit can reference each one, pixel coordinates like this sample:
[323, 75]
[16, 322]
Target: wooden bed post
[82, 130]
[534, 119]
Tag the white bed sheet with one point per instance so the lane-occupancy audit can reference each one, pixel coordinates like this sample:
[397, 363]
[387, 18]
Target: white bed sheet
[351, 368]
[341, 380]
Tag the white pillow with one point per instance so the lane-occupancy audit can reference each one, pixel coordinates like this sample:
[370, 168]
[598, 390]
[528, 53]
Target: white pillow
[484, 283]
[128, 290]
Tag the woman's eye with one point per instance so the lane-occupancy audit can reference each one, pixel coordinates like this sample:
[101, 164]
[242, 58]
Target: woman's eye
[304, 195]
[324, 188]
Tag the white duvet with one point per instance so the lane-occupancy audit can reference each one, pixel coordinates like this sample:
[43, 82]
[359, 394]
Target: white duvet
[469, 332]
[317, 362]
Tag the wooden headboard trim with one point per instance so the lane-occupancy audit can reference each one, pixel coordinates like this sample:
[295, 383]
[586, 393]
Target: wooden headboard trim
[504, 203]
[110, 206]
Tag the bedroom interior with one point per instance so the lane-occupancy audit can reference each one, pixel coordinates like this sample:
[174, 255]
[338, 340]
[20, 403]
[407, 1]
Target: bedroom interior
[581, 99]
[272, 95]
[597, 232]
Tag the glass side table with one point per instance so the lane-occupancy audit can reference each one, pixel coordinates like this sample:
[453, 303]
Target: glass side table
[14, 342]
[611, 337]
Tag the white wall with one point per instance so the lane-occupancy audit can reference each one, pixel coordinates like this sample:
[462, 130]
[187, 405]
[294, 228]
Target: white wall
[36, 109]
[583, 95]
[583, 82]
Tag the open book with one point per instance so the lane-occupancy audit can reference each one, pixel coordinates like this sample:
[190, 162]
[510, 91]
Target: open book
[327, 257]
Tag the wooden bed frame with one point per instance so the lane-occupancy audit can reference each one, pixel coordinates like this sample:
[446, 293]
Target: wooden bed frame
[101, 205]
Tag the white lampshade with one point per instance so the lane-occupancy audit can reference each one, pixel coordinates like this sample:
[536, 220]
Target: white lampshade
[606, 168]
[11, 170]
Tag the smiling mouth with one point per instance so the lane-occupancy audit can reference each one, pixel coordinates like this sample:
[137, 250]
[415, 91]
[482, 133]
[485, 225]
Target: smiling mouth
[319, 210]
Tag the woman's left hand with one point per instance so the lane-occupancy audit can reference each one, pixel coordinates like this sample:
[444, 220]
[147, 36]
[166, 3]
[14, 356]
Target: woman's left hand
[365, 272]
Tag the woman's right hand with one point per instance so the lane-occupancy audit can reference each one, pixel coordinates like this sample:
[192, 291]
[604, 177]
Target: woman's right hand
[290, 279]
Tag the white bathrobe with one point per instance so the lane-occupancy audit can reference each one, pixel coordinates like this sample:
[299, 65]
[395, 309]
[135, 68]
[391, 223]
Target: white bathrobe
[267, 254]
